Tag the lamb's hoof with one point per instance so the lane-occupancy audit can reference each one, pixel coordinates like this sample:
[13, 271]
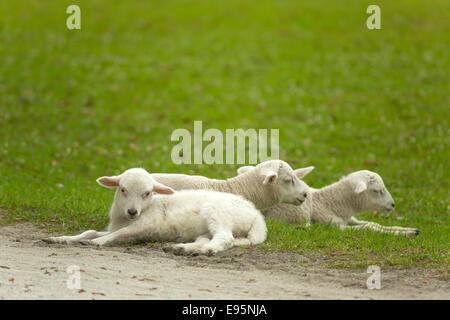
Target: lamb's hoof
[50, 240]
[41, 242]
[167, 249]
[172, 249]
[412, 233]
[181, 251]
[208, 252]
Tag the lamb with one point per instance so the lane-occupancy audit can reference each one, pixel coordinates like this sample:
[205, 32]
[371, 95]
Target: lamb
[215, 220]
[339, 202]
[272, 182]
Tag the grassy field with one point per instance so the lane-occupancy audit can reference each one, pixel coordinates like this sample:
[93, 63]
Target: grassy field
[76, 105]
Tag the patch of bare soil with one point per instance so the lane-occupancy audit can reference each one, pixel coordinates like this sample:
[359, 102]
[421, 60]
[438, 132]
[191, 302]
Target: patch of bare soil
[32, 269]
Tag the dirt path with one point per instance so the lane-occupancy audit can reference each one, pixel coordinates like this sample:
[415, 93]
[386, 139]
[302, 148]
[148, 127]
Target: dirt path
[35, 270]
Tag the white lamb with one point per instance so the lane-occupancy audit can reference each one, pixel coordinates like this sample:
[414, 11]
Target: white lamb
[338, 203]
[270, 183]
[215, 220]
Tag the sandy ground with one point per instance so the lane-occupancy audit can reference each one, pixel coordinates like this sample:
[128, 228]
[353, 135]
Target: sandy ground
[31, 269]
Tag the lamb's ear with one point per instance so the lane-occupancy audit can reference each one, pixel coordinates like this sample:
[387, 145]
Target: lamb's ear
[109, 182]
[270, 177]
[301, 173]
[360, 186]
[162, 189]
[244, 169]
[269, 171]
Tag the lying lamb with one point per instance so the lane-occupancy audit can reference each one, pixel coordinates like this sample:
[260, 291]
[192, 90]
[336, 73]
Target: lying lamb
[215, 220]
[339, 202]
[272, 182]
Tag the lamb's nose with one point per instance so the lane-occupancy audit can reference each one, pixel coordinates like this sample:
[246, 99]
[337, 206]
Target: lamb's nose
[132, 212]
[393, 205]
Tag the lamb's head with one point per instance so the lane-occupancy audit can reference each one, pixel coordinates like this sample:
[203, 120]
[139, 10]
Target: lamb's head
[134, 190]
[282, 180]
[371, 191]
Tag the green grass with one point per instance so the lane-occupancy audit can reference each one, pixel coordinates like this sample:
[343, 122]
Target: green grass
[360, 249]
[76, 105]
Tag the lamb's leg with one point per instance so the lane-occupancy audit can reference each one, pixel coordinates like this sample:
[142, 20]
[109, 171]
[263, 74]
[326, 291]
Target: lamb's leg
[87, 235]
[354, 221]
[406, 230]
[394, 229]
[256, 235]
[221, 240]
[189, 247]
[131, 233]
[360, 224]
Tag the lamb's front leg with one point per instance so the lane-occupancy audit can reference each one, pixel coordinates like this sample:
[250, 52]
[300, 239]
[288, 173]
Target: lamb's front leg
[87, 235]
[360, 224]
[355, 222]
[394, 229]
[132, 233]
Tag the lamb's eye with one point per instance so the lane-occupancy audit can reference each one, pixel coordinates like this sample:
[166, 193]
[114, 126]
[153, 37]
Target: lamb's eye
[145, 195]
[122, 190]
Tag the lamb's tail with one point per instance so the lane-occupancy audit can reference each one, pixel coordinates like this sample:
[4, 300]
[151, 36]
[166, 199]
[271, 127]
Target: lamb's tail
[257, 233]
